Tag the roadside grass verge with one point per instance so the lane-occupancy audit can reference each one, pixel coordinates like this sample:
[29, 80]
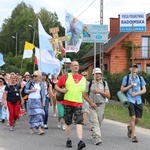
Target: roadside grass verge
[115, 111]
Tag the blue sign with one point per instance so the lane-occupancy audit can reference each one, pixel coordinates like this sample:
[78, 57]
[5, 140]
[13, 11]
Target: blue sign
[133, 22]
[95, 33]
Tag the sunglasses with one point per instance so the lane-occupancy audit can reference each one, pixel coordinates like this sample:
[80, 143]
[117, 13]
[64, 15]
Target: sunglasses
[85, 75]
[34, 76]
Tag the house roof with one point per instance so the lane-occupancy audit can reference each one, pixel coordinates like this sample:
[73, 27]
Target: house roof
[86, 65]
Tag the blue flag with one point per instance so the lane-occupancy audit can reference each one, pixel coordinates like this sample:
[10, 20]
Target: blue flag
[1, 60]
[44, 43]
[47, 63]
[74, 33]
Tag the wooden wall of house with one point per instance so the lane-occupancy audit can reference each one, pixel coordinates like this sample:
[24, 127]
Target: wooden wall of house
[117, 59]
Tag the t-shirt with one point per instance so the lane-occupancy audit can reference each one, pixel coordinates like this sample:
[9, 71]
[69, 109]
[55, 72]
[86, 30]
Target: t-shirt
[13, 94]
[1, 92]
[97, 98]
[61, 83]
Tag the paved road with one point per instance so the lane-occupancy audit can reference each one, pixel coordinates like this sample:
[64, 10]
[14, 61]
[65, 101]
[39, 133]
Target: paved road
[113, 136]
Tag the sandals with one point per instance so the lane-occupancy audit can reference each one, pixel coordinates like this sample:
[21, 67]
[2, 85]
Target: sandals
[31, 131]
[134, 139]
[129, 132]
[41, 133]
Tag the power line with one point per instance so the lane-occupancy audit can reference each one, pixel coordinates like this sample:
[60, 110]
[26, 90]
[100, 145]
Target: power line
[81, 6]
[85, 9]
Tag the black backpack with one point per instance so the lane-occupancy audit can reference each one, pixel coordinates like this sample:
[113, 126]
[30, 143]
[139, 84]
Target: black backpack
[90, 84]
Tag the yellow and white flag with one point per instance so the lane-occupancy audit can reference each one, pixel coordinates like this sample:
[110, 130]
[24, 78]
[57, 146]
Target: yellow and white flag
[28, 50]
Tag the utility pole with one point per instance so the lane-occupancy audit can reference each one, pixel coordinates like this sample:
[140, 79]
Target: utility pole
[101, 44]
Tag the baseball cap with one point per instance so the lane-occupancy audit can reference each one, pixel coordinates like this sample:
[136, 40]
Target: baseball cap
[134, 66]
[44, 74]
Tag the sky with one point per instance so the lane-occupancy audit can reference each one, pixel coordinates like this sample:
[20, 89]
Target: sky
[87, 11]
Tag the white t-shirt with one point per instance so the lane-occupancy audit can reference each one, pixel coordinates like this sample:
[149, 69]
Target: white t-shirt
[36, 94]
[1, 92]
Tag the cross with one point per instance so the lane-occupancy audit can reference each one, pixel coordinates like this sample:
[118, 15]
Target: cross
[56, 40]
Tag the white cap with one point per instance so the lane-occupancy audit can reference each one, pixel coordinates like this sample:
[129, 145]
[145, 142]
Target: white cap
[97, 70]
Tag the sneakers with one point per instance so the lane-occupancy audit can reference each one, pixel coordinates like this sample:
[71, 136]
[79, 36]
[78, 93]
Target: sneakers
[98, 141]
[45, 126]
[69, 144]
[129, 132]
[81, 145]
[63, 127]
[59, 124]
[55, 115]
[11, 128]
[134, 139]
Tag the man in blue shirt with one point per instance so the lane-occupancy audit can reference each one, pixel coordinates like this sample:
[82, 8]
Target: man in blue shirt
[134, 86]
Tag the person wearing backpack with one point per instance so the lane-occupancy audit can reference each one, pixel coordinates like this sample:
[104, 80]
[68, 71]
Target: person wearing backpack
[48, 93]
[75, 85]
[134, 86]
[96, 93]
[25, 95]
[85, 104]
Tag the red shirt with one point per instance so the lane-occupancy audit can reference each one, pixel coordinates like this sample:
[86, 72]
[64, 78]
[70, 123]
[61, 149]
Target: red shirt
[62, 82]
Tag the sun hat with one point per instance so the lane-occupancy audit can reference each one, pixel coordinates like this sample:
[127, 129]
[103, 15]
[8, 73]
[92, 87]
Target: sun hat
[97, 70]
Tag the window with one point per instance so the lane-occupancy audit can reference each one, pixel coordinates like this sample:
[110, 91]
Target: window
[148, 68]
[139, 67]
[145, 47]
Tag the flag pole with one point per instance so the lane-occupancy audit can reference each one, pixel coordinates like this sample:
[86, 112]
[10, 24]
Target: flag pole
[21, 64]
[34, 48]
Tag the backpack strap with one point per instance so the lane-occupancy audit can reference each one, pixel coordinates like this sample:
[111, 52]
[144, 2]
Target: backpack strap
[90, 84]
[66, 77]
[127, 80]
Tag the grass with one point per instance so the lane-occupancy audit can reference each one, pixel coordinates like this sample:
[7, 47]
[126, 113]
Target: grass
[115, 111]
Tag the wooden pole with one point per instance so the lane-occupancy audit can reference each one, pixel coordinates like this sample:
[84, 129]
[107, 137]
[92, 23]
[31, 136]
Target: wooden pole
[21, 65]
[132, 48]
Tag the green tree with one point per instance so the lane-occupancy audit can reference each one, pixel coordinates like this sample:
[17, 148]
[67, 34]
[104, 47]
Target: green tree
[22, 16]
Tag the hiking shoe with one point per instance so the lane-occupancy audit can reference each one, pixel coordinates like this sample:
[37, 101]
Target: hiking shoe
[98, 141]
[69, 144]
[129, 132]
[81, 145]
[134, 139]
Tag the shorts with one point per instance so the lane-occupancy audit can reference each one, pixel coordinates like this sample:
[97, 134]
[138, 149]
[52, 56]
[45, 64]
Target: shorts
[73, 113]
[60, 109]
[136, 110]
